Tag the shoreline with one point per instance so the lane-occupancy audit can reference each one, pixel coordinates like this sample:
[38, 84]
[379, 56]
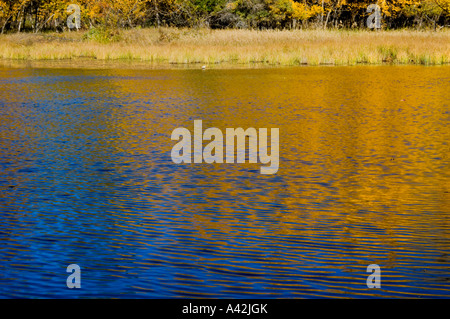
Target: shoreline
[139, 65]
[190, 48]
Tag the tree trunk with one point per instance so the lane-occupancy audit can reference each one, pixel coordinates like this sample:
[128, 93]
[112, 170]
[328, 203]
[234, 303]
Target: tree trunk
[4, 25]
[21, 20]
[158, 22]
[326, 21]
[36, 18]
[321, 19]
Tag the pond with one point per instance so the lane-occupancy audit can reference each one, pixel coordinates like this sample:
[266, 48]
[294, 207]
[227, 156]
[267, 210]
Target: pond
[87, 178]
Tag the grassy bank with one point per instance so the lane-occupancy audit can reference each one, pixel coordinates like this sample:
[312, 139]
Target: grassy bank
[189, 46]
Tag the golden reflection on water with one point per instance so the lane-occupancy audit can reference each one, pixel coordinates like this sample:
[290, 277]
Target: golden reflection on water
[364, 169]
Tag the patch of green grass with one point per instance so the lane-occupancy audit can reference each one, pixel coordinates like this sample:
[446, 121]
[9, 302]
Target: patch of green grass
[388, 53]
[102, 35]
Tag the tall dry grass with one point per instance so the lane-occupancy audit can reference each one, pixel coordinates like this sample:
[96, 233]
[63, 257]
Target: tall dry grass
[188, 46]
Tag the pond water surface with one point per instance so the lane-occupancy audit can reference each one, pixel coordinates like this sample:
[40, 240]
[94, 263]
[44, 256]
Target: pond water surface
[86, 177]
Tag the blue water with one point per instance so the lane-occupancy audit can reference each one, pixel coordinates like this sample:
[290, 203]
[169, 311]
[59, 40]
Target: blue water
[86, 178]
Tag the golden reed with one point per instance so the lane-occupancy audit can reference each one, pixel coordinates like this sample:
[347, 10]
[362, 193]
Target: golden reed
[205, 46]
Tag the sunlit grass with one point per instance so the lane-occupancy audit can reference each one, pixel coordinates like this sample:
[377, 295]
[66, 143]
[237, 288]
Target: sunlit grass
[189, 46]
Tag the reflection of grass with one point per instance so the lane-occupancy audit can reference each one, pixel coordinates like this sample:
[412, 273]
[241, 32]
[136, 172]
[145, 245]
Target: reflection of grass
[189, 46]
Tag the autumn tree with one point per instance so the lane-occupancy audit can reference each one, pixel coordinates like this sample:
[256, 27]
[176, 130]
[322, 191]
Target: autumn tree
[39, 15]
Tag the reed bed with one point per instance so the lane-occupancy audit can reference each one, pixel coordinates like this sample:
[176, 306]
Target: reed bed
[205, 46]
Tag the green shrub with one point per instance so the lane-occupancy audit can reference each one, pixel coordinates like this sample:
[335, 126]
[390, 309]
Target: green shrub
[102, 34]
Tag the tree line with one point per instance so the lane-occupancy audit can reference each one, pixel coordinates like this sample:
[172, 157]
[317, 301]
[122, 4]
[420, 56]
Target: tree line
[40, 15]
